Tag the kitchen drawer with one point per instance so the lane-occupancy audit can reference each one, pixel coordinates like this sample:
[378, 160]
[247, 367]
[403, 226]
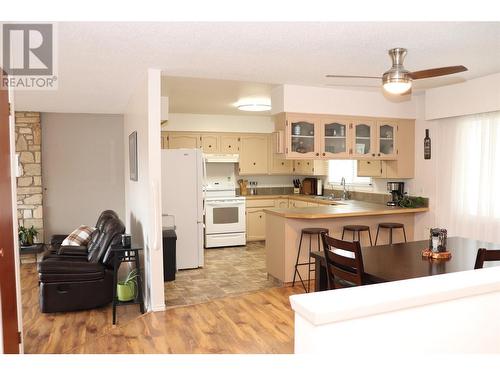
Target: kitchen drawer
[281, 203]
[251, 203]
[297, 203]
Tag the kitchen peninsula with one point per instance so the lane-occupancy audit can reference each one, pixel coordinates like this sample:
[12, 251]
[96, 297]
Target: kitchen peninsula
[283, 228]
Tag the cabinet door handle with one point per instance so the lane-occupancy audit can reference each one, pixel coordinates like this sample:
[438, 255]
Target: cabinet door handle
[253, 163]
[317, 154]
[368, 162]
[324, 154]
[282, 163]
[373, 154]
[378, 154]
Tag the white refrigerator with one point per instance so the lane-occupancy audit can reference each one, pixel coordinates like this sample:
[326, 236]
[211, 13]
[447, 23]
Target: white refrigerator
[182, 172]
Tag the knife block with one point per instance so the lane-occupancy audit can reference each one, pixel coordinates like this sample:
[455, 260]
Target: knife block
[296, 190]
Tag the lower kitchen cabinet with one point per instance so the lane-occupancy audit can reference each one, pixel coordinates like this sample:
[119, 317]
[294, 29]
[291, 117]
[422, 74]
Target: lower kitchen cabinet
[281, 203]
[256, 224]
[298, 204]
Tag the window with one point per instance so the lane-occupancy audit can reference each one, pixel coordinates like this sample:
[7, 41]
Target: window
[347, 169]
[468, 176]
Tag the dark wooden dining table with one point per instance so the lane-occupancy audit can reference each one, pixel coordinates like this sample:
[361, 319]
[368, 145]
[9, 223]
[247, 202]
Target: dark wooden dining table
[404, 261]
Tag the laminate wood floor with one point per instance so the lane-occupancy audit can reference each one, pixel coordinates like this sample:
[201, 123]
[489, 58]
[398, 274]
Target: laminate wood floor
[256, 322]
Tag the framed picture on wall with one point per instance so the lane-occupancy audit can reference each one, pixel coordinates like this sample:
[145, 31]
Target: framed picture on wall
[132, 154]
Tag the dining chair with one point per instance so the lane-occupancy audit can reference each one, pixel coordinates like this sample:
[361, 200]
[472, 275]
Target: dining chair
[484, 255]
[344, 262]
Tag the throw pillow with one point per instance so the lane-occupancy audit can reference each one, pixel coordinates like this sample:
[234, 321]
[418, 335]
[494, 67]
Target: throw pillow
[79, 237]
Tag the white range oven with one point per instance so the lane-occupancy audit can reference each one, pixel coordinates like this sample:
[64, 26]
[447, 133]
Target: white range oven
[224, 216]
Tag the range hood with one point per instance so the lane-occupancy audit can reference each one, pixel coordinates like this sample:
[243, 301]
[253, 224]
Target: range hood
[222, 158]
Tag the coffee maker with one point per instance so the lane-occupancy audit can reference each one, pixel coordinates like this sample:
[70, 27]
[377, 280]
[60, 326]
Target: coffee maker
[397, 190]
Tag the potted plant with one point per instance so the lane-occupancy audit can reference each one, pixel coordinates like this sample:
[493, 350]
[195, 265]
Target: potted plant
[126, 289]
[27, 235]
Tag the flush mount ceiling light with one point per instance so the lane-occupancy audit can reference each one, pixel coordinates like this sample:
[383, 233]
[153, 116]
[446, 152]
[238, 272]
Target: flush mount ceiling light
[254, 107]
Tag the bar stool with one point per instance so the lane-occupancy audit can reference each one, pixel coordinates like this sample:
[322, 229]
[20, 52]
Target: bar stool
[357, 229]
[390, 226]
[311, 232]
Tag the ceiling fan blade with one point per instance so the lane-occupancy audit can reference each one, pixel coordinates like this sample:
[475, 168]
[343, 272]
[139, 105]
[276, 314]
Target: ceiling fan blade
[436, 72]
[341, 76]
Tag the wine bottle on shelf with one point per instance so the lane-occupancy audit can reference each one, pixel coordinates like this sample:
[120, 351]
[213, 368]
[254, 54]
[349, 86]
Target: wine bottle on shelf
[427, 145]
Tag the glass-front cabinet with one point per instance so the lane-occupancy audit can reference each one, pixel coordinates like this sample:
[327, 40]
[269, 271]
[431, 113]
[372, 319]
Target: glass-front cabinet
[386, 140]
[309, 136]
[363, 139]
[302, 134]
[335, 134]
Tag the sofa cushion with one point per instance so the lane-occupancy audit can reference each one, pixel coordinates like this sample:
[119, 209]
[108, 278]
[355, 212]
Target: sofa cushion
[68, 266]
[79, 237]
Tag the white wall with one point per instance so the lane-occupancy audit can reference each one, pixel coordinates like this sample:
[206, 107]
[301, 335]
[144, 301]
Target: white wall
[478, 95]
[307, 99]
[450, 313]
[142, 197]
[219, 123]
[82, 169]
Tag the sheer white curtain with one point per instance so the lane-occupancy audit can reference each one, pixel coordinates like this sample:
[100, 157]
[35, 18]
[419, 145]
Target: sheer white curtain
[468, 183]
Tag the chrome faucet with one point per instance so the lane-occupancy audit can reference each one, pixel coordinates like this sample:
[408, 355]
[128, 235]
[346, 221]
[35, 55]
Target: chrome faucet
[345, 194]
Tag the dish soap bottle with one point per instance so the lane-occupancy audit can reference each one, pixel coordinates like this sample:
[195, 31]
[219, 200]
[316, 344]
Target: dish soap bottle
[427, 145]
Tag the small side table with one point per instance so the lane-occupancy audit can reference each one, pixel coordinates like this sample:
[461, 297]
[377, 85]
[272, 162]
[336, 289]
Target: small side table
[35, 249]
[126, 255]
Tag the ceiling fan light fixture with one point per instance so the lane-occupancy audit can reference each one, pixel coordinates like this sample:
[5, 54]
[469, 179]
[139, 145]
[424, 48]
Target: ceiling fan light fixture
[396, 80]
[397, 87]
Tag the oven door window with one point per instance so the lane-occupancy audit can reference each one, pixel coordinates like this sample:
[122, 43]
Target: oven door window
[225, 215]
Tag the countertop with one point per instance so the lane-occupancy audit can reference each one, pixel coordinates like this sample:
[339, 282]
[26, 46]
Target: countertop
[336, 209]
[299, 197]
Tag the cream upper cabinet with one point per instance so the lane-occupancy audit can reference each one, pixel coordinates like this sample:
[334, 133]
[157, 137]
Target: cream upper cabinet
[310, 167]
[334, 138]
[183, 140]
[404, 165]
[370, 168]
[209, 143]
[363, 136]
[301, 136]
[278, 164]
[387, 132]
[229, 144]
[254, 154]
[164, 139]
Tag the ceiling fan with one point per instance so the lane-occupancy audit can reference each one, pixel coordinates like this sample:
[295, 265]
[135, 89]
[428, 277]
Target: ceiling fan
[398, 80]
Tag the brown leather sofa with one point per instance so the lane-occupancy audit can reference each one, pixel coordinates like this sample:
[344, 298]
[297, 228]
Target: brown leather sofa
[79, 278]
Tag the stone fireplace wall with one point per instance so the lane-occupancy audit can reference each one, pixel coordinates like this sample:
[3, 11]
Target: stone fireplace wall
[29, 184]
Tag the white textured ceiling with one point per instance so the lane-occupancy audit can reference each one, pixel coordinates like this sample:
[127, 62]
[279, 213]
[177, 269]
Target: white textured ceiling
[101, 63]
[213, 96]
